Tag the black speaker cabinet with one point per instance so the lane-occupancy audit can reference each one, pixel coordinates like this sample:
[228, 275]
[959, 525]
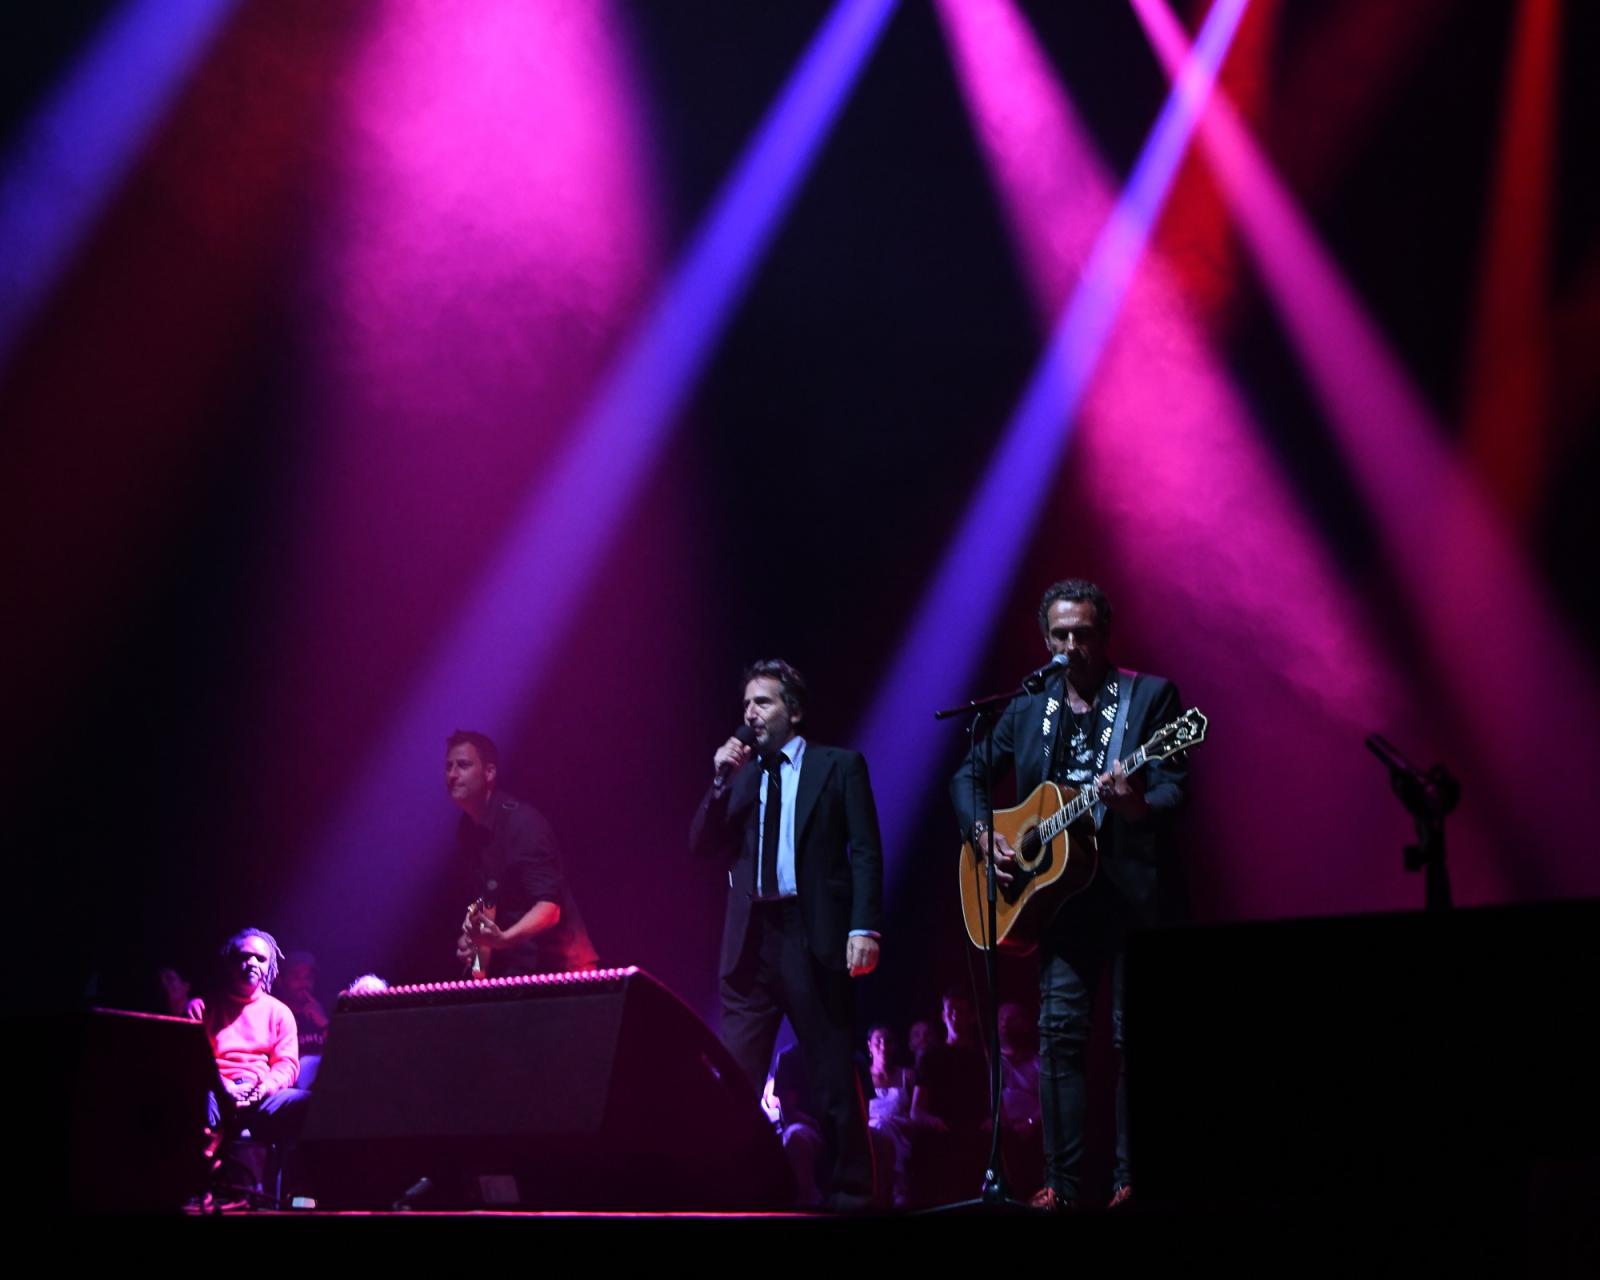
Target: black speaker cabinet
[136, 1118]
[1403, 1060]
[559, 1091]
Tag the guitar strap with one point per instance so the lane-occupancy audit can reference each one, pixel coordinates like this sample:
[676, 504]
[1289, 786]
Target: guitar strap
[1125, 679]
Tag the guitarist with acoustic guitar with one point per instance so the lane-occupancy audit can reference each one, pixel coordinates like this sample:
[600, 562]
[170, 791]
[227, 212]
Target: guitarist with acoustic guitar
[1095, 751]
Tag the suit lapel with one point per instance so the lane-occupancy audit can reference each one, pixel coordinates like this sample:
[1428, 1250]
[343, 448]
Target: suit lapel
[814, 769]
[747, 796]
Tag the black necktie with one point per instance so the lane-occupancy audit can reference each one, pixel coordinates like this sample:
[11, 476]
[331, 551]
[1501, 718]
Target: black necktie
[768, 887]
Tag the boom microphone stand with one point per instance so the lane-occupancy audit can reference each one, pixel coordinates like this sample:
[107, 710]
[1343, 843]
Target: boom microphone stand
[1428, 797]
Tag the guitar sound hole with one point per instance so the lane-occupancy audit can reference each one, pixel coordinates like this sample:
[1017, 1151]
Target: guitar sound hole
[1028, 851]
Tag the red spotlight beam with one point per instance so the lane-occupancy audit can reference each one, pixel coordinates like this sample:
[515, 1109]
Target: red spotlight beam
[1195, 235]
[1508, 370]
[1498, 645]
[1341, 73]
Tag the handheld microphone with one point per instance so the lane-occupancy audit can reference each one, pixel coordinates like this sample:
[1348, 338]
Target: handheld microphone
[746, 733]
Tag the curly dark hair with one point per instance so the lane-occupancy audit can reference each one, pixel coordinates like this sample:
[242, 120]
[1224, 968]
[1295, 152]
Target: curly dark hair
[795, 693]
[274, 952]
[1075, 589]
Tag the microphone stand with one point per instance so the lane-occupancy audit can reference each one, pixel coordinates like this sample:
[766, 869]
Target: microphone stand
[994, 1193]
[1428, 797]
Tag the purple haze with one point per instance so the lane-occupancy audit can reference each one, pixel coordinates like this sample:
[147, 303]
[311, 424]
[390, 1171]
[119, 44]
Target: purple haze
[74, 153]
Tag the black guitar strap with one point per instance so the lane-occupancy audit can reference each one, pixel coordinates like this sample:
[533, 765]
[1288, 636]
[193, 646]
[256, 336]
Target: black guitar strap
[1125, 681]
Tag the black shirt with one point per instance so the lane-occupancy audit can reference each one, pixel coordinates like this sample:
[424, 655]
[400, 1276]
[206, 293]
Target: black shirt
[513, 864]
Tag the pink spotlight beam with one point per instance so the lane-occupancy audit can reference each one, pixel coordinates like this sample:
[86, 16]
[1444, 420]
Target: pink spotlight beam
[498, 648]
[1007, 501]
[1498, 644]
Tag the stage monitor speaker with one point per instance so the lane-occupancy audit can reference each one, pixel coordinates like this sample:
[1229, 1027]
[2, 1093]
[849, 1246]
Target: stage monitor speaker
[1444, 1059]
[137, 1118]
[595, 1090]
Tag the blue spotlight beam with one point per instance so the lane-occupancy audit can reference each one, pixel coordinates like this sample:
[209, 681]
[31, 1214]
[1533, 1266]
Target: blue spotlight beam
[959, 607]
[490, 662]
[77, 149]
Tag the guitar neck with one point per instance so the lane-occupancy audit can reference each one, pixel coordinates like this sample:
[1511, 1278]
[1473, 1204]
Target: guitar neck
[1086, 799]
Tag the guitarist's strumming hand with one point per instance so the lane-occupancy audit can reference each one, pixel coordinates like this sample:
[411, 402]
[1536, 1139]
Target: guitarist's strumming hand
[486, 933]
[1122, 794]
[466, 948]
[1005, 856]
[472, 947]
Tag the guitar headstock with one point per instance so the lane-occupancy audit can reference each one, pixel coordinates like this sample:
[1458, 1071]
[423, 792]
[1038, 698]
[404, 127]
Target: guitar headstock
[1188, 730]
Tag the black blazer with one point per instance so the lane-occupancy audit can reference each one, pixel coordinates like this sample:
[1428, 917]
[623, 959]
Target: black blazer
[838, 850]
[1137, 857]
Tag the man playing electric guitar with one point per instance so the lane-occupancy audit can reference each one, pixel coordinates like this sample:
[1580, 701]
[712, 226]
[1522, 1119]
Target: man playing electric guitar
[1074, 731]
[525, 919]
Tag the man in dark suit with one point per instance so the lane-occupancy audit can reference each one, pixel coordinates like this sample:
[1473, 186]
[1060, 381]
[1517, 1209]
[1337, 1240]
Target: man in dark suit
[1075, 730]
[799, 833]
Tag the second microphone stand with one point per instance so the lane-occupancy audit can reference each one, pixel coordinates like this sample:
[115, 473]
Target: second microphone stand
[994, 1193]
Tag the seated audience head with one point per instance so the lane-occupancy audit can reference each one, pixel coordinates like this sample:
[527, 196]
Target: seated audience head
[960, 1017]
[298, 978]
[882, 1046]
[174, 992]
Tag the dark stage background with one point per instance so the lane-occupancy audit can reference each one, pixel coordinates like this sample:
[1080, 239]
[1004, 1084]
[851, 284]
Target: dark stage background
[346, 305]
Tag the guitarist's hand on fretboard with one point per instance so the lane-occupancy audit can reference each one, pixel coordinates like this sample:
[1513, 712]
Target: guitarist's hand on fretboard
[1122, 794]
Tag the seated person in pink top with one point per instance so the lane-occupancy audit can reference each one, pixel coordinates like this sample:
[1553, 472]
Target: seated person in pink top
[253, 1038]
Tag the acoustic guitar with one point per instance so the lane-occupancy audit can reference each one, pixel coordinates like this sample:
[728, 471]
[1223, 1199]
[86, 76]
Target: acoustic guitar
[1056, 854]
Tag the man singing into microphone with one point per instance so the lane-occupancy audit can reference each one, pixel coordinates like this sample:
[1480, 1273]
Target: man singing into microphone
[1082, 719]
[797, 824]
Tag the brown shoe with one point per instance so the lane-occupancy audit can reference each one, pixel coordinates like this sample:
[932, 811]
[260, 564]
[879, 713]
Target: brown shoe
[1121, 1197]
[1046, 1200]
